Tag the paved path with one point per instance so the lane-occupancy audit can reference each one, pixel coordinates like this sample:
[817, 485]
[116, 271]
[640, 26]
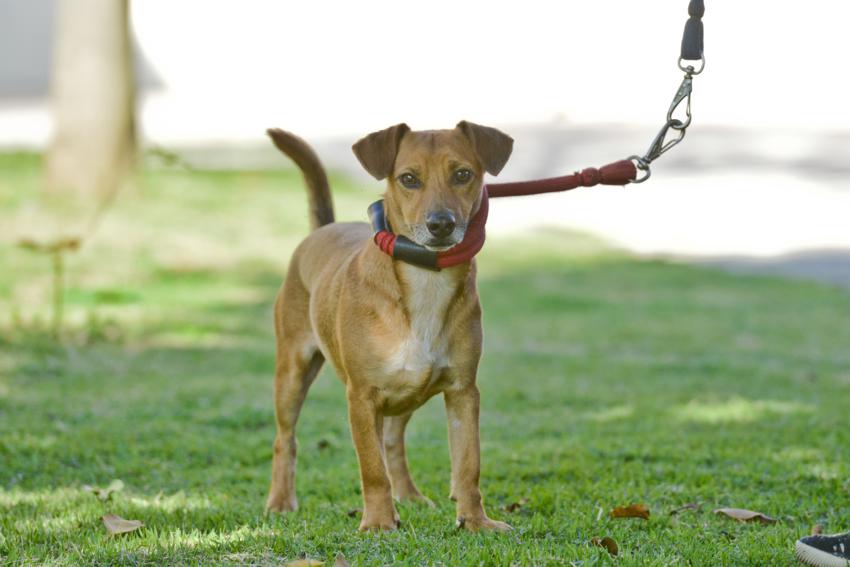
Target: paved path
[827, 266]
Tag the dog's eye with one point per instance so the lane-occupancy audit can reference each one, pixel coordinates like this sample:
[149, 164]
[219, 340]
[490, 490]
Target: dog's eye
[409, 181]
[462, 176]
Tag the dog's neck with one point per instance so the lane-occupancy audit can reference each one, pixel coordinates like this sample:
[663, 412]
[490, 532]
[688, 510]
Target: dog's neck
[417, 282]
[403, 246]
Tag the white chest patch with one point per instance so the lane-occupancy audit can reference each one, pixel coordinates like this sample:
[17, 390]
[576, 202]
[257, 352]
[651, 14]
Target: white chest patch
[424, 344]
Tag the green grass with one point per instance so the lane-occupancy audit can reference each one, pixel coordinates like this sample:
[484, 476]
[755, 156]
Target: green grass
[606, 380]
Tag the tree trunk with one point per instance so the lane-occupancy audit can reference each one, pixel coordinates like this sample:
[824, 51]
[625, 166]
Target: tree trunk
[93, 98]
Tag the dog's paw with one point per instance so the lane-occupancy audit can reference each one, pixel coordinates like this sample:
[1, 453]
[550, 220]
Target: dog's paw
[485, 523]
[280, 504]
[379, 525]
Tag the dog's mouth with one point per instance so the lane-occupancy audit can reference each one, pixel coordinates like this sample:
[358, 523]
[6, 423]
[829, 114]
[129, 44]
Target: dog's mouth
[439, 245]
[420, 235]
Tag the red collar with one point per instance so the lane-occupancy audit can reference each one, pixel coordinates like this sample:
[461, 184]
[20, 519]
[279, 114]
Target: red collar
[404, 249]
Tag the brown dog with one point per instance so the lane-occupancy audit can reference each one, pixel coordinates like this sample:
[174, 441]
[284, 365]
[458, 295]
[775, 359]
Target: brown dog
[395, 333]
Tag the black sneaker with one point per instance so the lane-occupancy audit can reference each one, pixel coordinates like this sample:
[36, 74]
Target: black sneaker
[825, 550]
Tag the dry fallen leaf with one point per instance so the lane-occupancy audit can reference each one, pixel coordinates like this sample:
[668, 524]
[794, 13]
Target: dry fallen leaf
[104, 493]
[340, 561]
[817, 529]
[305, 563]
[745, 515]
[117, 525]
[632, 511]
[684, 507]
[608, 544]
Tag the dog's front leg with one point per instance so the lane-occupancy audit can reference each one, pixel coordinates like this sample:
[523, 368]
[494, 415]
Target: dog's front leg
[462, 412]
[366, 429]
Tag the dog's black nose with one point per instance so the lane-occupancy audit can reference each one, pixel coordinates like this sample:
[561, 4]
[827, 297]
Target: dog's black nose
[440, 224]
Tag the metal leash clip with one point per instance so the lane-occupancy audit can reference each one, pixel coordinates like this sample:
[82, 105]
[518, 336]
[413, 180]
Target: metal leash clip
[692, 50]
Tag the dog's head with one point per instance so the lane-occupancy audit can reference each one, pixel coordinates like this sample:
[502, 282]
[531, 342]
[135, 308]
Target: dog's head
[434, 177]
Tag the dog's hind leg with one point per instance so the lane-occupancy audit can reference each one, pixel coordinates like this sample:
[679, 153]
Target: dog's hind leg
[298, 364]
[402, 485]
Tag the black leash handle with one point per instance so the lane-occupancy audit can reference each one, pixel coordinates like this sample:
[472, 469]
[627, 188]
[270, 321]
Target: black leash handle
[692, 38]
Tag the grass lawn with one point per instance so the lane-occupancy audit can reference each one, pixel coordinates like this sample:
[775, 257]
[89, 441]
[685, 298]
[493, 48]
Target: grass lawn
[606, 380]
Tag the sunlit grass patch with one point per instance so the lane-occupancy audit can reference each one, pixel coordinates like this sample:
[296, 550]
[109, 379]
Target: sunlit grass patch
[738, 410]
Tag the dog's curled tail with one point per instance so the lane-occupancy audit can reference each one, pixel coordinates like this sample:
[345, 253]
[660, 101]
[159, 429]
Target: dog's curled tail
[318, 190]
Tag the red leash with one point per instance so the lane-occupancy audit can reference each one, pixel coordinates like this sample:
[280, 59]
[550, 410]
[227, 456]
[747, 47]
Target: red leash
[401, 248]
[617, 173]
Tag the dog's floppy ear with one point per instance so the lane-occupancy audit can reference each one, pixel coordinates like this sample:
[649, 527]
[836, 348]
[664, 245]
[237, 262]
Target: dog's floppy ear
[492, 146]
[377, 151]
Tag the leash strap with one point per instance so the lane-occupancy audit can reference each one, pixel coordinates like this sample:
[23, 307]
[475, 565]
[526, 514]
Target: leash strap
[617, 173]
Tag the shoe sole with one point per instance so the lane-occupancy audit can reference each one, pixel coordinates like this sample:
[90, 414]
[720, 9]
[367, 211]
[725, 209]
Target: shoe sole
[817, 558]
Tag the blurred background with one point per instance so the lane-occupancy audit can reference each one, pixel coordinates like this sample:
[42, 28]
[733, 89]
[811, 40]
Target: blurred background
[764, 171]
[146, 223]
